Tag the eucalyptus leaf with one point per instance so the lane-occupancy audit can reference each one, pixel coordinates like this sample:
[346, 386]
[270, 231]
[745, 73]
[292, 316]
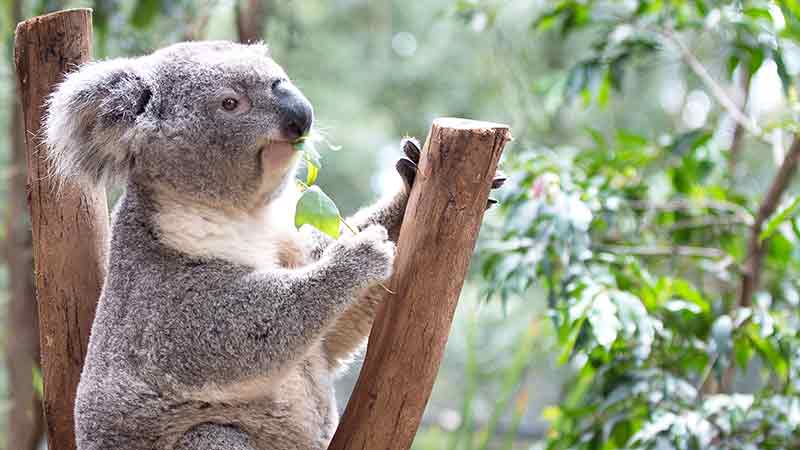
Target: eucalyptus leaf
[312, 169]
[721, 332]
[315, 208]
[779, 218]
[603, 318]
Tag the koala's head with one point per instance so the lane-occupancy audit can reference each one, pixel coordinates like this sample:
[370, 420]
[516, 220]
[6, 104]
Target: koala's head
[211, 121]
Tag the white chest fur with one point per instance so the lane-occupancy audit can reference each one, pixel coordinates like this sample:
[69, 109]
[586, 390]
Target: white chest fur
[262, 239]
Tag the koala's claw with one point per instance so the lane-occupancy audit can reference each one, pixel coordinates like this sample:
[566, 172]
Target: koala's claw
[407, 168]
[411, 149]
[499, 180]
[408, 172]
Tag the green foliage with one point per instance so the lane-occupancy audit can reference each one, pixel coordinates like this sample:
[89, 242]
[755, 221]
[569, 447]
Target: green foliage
[781, 217]
[315, 208]
[38, 383]
[145, 13]
[622, 217]
[639, 239]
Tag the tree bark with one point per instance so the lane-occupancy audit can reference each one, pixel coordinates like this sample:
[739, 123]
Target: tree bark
[756, 248]
[70, 225]
[25, 421]
[738, 130]
[250, 17]
[438, 235]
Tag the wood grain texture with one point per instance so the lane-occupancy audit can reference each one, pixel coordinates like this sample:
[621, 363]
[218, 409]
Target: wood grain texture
[70, 226]
[436, 242]
[24, 413]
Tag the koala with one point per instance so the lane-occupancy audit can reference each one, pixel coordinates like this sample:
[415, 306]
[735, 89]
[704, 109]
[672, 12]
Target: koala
[220, 325]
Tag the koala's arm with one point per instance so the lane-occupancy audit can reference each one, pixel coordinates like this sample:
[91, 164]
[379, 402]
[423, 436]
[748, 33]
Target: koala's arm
[259, 323]
[350, 330]
[348, 333]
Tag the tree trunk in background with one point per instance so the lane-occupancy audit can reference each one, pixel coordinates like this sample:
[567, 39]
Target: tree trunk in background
[250, 18]
[25, 420]
[70, 224]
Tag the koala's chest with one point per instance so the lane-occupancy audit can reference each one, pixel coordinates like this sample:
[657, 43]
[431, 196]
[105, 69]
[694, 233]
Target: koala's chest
[262, 242]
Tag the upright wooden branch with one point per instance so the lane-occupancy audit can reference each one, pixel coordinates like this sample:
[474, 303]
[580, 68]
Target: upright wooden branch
[751, 273]
[70, 226]
[436, 242]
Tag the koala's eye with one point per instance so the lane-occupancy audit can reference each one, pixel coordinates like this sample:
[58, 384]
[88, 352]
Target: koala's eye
[230, 104]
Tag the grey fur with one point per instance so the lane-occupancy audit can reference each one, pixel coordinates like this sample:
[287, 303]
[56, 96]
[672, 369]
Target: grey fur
[203, 351]
[219, 326]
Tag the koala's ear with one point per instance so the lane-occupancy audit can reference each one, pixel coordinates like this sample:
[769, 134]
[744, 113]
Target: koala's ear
[96, 119]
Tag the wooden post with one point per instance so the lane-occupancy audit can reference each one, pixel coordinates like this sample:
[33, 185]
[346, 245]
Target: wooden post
[436, 242]
[70, 226]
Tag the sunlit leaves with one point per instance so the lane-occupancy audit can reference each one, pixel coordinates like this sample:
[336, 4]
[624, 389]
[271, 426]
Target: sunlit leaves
[569, 14]
[780, 217]
[145, 12]
[646, 335]
[643, 300]
[315, 208]
[685, 142]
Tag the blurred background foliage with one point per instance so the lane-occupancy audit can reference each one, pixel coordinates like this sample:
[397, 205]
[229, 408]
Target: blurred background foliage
[638, 285]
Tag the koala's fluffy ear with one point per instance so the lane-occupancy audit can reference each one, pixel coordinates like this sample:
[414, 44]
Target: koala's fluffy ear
[96, 120]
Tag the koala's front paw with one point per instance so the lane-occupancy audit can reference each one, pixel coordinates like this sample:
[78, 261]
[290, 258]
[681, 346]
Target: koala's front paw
[368, 255]
[314, 241]
[407, 168]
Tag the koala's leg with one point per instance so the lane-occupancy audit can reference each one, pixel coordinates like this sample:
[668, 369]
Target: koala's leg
[210, 436]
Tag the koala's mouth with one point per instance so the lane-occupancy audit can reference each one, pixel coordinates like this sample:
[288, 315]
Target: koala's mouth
[277, 154]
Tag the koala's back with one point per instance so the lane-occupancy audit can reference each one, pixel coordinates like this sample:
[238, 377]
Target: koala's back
[136, 394]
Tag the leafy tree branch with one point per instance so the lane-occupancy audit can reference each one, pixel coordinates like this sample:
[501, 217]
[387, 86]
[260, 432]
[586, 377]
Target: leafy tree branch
[756, 246]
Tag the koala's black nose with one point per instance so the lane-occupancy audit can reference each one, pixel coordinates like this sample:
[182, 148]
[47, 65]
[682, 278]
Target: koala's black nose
[295, 111]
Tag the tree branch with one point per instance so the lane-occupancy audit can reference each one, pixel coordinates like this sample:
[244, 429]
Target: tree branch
[663, 250]
[738, 130]
[70, 224]
[740, 213]
[751, 270]
[250, 18]
[709, 221]
[25, 421]
[436, 242]
[717, 91]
